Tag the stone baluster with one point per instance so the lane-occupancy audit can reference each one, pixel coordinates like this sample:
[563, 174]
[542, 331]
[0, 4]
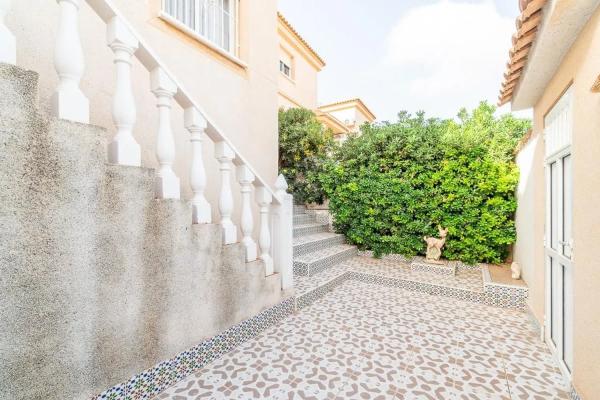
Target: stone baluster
[264, 199]
[68, 101]
[283, 234]
[225, 155]
[8, 44]
[245, 178]
[123, 149]
[196, 125]
[167, 183]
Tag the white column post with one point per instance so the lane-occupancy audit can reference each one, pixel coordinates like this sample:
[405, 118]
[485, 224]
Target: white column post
[68, 101]
[225, 155]
[123, 149]
[167, 183]
[196, 125]
[264, 199]
[245, 178]
[8, 43]
[283, 234]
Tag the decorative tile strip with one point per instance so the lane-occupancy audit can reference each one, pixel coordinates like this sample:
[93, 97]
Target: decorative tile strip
[494, 297]
[302, 219]
[313, 267]
[308, 298]
[391, 257]
[153, 381]
[318, 244]
[502, 295]
[308, 229]
[573, 395]
[421, 265]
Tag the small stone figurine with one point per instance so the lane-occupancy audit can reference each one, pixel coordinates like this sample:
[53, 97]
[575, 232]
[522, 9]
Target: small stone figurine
[434, 245]
[515, 268]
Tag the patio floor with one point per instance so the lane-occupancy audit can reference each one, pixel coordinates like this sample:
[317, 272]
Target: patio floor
[366, 341]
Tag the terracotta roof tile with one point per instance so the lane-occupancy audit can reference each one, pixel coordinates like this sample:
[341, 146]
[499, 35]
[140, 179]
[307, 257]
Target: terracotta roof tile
[526, 25]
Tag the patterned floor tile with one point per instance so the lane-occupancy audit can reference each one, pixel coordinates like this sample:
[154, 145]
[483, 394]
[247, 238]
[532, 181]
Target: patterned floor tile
[364, 341]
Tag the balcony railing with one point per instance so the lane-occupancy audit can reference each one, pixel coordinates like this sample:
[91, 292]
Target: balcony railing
[69, 102]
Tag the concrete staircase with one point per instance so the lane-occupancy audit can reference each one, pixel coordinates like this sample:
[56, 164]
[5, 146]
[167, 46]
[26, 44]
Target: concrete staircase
[315, 248]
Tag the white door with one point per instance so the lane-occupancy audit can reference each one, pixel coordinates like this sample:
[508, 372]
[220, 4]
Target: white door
[559, 242]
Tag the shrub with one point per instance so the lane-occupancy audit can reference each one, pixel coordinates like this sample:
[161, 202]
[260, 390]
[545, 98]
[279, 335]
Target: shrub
[304, 144]
[396, 182]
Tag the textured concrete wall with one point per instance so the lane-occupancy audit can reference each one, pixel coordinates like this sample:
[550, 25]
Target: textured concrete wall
[99, 280]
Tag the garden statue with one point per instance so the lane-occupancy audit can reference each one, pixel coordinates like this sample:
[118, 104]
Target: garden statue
[434, 245]
[516, 270]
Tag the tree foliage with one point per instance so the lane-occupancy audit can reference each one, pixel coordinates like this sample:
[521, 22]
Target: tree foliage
[304, 144]
[394, 184]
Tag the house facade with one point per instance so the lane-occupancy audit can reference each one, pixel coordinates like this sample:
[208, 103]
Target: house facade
[299, 67]
[554, 68]
[345, 117]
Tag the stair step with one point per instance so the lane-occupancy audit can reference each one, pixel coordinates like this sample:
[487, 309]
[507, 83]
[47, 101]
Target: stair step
[303, 219]
[317, 261]
[299, 209]
[316, 241]
[307, 229]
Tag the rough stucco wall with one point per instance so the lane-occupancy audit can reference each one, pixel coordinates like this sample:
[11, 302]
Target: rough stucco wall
[99, 280]
[581, 67]
[242, 102]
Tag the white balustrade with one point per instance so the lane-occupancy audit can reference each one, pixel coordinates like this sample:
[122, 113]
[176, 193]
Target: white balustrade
[225, 156]
[167, 183]
[245, 178]
[68, 101]
[283, 234]
[123, 149]
[264, 199]
[8, 44]
[196, 124]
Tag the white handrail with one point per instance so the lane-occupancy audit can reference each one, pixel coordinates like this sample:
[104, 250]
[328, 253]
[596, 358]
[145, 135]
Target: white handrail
[106, 11]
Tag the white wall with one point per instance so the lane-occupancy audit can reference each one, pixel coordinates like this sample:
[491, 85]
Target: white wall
[524, 252]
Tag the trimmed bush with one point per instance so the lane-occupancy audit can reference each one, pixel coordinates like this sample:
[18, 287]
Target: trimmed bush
[394, 184]
[304, 144]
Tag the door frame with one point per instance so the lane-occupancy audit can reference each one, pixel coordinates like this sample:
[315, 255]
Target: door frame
[558, 134]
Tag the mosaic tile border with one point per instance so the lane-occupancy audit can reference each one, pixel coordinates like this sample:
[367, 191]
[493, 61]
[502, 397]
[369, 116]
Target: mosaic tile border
[303, 219]
[503, 295]
[318, 244]
[573, 395]
[496, 297]
[319, 265]
[153, 381]
[424, 266]
[310, 228]
[391, 257]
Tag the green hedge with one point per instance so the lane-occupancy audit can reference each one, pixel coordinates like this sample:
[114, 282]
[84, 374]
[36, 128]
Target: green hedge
[304, 144]
[396, 182]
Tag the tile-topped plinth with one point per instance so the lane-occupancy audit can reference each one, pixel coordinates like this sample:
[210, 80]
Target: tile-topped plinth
[420, 264]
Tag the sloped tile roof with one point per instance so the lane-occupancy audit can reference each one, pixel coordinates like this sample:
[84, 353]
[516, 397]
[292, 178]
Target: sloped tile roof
[527, 24]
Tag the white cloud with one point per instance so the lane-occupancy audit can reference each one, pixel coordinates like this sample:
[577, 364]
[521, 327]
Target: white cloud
[449, 54]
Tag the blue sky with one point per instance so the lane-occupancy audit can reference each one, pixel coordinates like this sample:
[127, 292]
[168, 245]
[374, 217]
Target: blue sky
[431, 55]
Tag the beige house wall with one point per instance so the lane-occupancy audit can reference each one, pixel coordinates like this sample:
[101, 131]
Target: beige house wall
[242, 101]
[299, 90]
[579, 68]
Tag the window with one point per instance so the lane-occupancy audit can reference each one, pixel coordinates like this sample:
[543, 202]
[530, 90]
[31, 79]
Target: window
[285, 69]
[213, 20]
